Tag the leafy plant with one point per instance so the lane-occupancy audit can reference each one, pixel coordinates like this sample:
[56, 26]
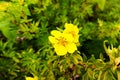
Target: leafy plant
[85, 46]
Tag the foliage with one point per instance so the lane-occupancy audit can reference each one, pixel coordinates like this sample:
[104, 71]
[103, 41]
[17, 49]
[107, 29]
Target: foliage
[27, 53]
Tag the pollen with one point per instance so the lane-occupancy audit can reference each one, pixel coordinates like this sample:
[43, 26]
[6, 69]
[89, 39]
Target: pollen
[62, 41]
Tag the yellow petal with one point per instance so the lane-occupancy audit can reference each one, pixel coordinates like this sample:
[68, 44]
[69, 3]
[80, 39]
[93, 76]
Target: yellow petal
[35, 78]
[67, 25]
[29, 78]
[70, 27]
[4, 6]
[118, 27]
[76, 39]
[52, 39]
[60, 50]
[56, 33]
[68, 37]
[71, 47]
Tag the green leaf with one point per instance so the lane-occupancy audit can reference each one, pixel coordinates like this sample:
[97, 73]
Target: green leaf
[10, 35]
[26, 10]
[101, 4]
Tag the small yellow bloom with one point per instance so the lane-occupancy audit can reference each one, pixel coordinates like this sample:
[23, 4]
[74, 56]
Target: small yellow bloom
[21, 2]
[118, 27]
[62, 42]
[73, 30]
[4, 6]
[100, 23]
[31, 78]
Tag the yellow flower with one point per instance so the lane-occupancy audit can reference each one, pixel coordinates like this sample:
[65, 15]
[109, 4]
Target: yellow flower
[100, 23]
[31, 78]
[62, 42]
[4, 6]
[73, 30]
[21, 2]
[118, 27]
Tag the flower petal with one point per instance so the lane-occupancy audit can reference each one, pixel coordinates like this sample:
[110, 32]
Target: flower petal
[35, 78]
[68, 37]
[52, 39]
[56, 33]
[70, 27]
[71, 47]
[76, 39]
[60, 50]
[67, 25]
[29, 78]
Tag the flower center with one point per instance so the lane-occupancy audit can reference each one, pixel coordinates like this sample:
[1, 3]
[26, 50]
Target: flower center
[73, 33]
[62, 41]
